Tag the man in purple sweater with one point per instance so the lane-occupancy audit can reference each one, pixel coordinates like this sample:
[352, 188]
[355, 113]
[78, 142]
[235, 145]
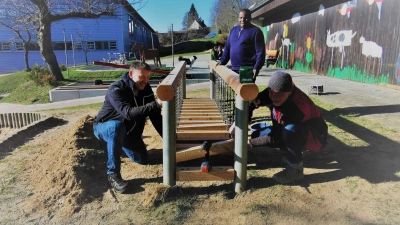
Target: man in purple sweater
[245, 45]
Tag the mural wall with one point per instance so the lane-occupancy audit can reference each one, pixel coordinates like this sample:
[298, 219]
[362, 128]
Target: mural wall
[358, 40]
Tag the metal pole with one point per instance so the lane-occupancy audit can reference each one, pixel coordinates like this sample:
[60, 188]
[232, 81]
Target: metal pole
[152, 41]
[172, 43]
[241, 133]
[66, 56]
[212, 84]
[73, 50]
[169, 146]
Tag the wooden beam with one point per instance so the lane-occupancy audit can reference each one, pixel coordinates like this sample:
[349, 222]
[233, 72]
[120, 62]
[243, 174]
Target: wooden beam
[184, 113]
[197, 152]
[198, 111]
[247, 92]
[201, 118]
[202, 135]
[195, 174]
[218, 126]
[166, 89]
[185, 122]
[199, 107]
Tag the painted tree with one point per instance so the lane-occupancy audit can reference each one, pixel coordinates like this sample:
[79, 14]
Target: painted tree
[42, 13]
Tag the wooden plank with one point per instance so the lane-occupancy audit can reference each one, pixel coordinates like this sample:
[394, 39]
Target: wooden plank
[202, 135]
[185, 122]
[195, 174]
[196, 152]
[219, 126]
[199, 107]
[184, 113]
[183, 146]
[201, 118]
[200, 110]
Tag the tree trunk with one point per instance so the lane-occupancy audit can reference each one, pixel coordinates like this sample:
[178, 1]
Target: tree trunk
[44, 40]
[26, 57]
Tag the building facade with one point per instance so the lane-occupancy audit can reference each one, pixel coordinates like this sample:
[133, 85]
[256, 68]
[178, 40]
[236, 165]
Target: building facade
[85, 39]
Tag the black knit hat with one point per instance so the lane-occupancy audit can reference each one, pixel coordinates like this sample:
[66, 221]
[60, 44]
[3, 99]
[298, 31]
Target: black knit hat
[281, 81]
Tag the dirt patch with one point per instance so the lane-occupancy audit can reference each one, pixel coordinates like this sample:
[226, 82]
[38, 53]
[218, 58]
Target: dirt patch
[58, 176]
[5, 131]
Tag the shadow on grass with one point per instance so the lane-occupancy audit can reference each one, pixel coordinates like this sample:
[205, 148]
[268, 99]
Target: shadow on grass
[375, 161]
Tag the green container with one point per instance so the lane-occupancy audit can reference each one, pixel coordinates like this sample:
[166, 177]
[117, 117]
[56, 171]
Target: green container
[246, 74]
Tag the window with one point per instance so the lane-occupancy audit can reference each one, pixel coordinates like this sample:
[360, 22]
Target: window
[3, 13]
[61, 45]
[113, 45]
[78, 45]
[33, 47]
[90, 45]
[19, 46]
[5, 46]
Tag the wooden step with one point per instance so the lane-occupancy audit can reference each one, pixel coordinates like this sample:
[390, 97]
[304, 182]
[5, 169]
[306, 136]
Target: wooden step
[200, 118]
[195, 174]
[198, 122]
[197, 152]
[202, 135]
[184, 113]
[200, 111]
[218, 126]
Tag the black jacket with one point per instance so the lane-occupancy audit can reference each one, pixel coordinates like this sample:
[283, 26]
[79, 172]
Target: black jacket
[121, 104]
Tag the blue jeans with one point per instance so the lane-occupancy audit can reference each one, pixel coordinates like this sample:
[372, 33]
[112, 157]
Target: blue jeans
[294, 140]
[114, 133]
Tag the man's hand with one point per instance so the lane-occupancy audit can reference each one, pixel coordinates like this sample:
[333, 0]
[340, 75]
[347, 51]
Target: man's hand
[232, 130]
[255, 74]
[159, 102]
[218, 63]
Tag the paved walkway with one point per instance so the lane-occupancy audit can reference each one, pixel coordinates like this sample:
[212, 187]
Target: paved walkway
[379, 104]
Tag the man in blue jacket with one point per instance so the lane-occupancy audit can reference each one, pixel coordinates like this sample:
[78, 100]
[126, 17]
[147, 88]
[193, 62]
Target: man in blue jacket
[245, 45]
[121, 120]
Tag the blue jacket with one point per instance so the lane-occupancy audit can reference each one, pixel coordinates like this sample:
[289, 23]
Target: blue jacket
[121, 104]
[246, 49]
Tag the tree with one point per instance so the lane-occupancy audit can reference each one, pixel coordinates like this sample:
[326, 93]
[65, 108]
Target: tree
[190, 17]
[224, 13]
[22, 28]
[23, 33]
[42, 13]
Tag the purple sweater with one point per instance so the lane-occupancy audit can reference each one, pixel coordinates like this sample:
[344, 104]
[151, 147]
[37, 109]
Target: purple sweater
[246, 49]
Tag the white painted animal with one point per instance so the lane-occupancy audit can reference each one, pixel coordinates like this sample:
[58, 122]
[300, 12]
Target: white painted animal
[339, 38]
[370, 48]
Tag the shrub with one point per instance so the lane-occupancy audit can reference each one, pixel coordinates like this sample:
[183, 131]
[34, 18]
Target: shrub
[41, 75]
[222, 38]
[63, 67]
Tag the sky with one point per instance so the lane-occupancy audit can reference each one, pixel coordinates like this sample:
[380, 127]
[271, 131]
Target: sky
[160, 14]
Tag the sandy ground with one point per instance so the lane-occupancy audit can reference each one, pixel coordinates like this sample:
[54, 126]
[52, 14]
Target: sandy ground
[56, 175]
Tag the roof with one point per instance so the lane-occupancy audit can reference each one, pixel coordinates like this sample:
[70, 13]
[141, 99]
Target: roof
[134, 13]
[267, 12]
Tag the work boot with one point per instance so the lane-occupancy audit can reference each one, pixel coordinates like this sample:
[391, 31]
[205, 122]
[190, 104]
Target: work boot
[291, 173]
[117, 182]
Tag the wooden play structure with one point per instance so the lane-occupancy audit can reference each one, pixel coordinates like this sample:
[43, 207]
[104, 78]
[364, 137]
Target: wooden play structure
[187, 123]
[147, 54]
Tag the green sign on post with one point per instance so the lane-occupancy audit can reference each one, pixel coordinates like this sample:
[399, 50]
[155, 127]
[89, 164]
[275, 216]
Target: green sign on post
[246, 74]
